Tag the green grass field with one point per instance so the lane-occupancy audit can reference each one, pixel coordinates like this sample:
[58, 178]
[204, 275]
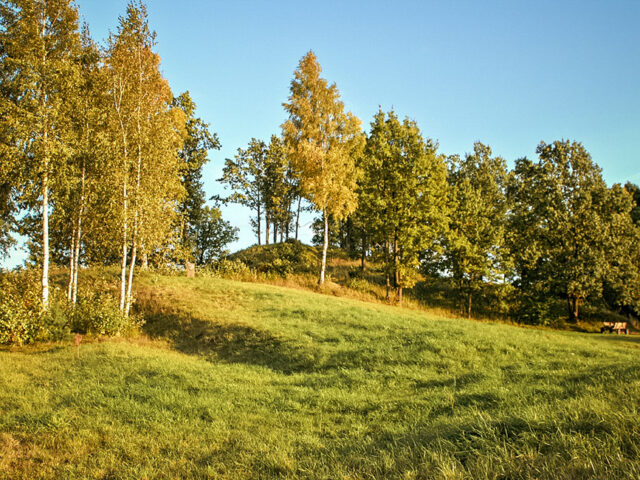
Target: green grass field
[235, 380]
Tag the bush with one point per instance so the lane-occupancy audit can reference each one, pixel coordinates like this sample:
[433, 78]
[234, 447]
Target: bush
[536, 309]
[100, 313]
[19, 324]
[21, 317]
[23, 321]
[225, 268]
[359, 284]
[281, 259]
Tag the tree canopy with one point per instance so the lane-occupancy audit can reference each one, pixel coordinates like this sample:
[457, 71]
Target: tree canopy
[323, 144]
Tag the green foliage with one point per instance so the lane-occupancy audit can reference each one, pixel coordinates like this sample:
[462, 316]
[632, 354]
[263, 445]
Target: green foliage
[634, 190]
[475, 252]
[245, 176]
[231, 269]
[404, 195]
[262, 179]
[621, 283]
[280, 188]
[99, 313]
[280, 259]
[193, 156]
[40, 76]
[21, 315]
[7, 211]
[23, 320]
[358, 284]
[146, 133]
[213, 234]
[565, 225]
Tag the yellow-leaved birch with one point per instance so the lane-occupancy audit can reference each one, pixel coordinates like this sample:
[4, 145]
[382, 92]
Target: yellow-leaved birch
[323, 143]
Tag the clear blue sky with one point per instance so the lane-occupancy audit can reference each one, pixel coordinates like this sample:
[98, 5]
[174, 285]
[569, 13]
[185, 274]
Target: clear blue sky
[509, 73]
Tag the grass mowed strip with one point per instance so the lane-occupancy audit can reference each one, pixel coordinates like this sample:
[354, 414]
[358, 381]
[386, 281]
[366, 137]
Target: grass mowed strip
[255, 381]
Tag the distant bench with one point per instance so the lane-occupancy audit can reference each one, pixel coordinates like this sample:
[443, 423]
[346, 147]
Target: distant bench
[618, 327]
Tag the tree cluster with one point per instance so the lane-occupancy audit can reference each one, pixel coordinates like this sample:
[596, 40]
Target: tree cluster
[100, 164]
[261, 178]
[547, 230]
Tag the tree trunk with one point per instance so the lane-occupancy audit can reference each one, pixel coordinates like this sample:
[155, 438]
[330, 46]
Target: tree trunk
[45, 185]
[396, 270]
[123, 266]
[145, 261]
[572, 303]
[76, 264]
[76, 255]
[45, 236]
[298, 216]
[131, 268]
[72, 249]
[469, 304]
[386, 270]
[325, 246]
[259, 232]
[275, 233]
[363, 259]
[387, 296]
[267, 228]
[347, 242]
[136, 225]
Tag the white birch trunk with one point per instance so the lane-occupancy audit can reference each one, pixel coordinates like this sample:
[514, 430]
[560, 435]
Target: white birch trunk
[123, 270]
[72, 249]
[131, 267]
[325, 246]
[76, 255]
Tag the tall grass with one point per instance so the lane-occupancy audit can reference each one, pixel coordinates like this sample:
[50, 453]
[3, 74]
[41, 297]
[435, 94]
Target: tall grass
[239, 380]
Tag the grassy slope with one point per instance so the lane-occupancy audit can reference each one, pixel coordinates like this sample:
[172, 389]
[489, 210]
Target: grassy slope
[256, 381]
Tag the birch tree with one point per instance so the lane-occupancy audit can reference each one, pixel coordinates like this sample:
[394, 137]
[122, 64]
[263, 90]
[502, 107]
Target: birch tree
[88, 166]
[323, 143]
[142, 120]
[40, 44]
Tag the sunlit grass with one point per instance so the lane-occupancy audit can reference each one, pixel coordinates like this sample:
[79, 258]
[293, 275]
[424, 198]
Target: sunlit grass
[236, 380]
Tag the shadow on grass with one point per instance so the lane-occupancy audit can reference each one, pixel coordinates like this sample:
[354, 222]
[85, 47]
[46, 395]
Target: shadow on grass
[232, 343]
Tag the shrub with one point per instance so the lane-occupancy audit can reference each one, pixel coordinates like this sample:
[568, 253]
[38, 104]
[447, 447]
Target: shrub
[280, 259]
[225, 268]
[21, 317]
[99, 313]
[19, 324]
[23, 321]
[359, 284]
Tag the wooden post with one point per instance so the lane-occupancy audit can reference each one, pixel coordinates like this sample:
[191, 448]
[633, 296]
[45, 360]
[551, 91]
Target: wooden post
[191, 269]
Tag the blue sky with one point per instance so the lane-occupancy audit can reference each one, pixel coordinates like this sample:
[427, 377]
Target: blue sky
[509, 74]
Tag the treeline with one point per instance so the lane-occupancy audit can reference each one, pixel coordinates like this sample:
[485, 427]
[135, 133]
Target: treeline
[100, 162]
[548, 230]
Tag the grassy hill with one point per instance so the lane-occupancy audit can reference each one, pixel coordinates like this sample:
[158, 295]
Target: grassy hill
[236, 380]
